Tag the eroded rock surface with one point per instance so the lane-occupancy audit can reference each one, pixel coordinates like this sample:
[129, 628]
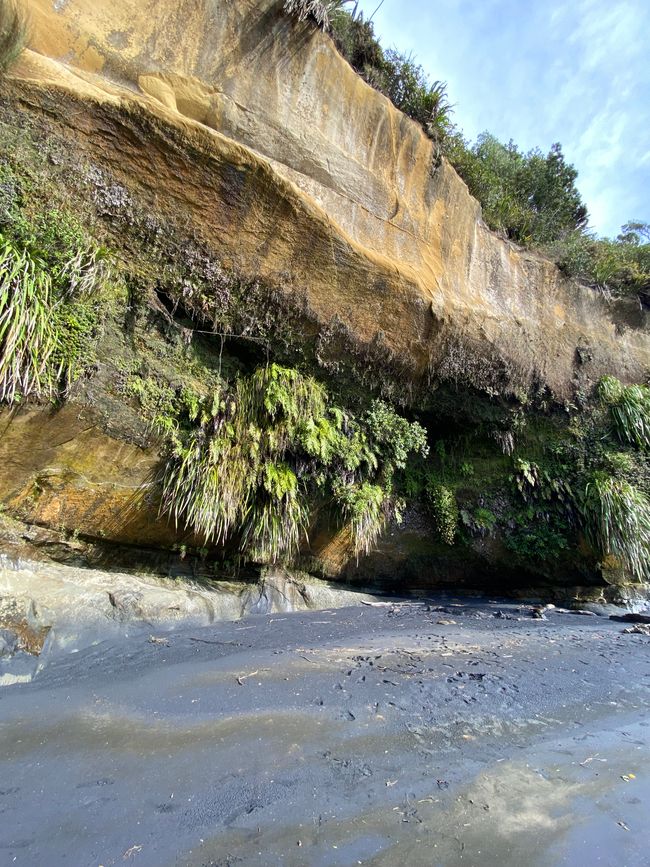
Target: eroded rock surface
[72, 605]
[293, 152]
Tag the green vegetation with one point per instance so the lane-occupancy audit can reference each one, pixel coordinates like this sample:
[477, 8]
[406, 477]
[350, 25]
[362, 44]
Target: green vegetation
[45, 324]
[617, 267]
[13, 33]
[27, 336]
[617, 522]
[51, 277]
[395, 75]
[258, 458]
[584, 486]
[259, 455]
[531, 198]
[365, 510]
[444, 509]
[629, 408]
[318, 11]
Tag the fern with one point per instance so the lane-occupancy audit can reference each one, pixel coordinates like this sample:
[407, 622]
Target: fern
[256, 454]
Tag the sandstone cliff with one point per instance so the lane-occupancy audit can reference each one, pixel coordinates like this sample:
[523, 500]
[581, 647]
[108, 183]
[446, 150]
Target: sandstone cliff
[299, 154]
[247, 137]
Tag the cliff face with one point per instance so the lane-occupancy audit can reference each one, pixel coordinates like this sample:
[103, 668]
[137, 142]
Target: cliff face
[248, 136]
[311, 180]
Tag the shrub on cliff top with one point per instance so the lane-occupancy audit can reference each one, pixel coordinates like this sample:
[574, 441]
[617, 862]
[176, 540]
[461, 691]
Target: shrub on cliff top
[617, 267]
[392, 73]
[13, 33]
[530, 197]
[318, 11]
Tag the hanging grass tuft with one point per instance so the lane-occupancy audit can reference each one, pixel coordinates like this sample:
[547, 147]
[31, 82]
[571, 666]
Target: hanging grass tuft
[46, 318]
[281, 402]
[365, 510]
[230, 475]
[28, 338]
[277, 520]
[629, 408]
[256, 461]
[210, 475]
[616, 518]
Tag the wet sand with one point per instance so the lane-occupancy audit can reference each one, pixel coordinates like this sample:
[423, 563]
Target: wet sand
[415, 734]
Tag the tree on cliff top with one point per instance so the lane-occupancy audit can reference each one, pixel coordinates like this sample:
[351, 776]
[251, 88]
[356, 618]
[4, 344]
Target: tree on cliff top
[530, 197]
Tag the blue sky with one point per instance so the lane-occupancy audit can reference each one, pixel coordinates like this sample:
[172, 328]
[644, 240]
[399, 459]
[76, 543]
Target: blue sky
[541, 71]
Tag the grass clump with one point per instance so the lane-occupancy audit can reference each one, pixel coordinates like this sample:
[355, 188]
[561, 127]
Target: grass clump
[318, 11]
[28, 338]
[13, 33]
[616, 519]
[50, 276]
[629, 408]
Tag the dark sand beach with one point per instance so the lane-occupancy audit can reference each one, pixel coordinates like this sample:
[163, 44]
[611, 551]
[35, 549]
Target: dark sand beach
[461, 733]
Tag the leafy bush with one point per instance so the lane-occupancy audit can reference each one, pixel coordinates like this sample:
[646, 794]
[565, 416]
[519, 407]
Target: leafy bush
[13, 33]
[616, 519]
[355, 39]
[394, 437]
[617, 267]
[535, 540]
[407, 86]
[480, 522]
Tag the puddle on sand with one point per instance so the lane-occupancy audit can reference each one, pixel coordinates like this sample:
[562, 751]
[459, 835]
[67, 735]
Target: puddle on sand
[572, 805]
[147, 737]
